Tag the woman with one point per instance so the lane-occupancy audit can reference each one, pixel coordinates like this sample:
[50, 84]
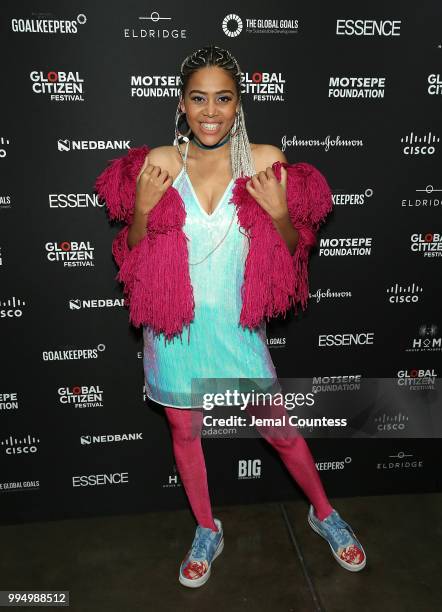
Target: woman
[217, 236]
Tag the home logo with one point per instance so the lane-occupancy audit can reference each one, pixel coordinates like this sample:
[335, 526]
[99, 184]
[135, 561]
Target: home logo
[173, 480]
[428, 339]
[232, 25]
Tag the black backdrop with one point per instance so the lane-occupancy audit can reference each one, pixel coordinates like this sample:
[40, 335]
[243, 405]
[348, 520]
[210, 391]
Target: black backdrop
[377, 141]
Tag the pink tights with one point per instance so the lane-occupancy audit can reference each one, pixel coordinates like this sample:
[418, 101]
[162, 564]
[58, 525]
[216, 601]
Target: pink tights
[185, 426]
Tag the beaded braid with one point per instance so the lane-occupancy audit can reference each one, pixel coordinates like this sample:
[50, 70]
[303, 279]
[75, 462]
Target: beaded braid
[240, 152]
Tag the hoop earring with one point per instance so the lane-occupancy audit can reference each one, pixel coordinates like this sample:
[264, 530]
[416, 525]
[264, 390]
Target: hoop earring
[178, 134]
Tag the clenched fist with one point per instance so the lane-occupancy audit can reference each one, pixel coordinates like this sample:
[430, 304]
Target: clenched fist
[152, 182]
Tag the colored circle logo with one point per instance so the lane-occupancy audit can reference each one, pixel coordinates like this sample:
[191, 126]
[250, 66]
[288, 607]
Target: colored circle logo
[232, 25]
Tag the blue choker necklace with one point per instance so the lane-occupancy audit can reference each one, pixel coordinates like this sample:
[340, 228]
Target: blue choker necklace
[215, 146]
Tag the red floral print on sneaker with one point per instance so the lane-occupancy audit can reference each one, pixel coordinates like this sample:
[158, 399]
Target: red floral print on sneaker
[352, 554]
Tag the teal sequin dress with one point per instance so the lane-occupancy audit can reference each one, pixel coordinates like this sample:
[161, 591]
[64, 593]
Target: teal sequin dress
[219, 347]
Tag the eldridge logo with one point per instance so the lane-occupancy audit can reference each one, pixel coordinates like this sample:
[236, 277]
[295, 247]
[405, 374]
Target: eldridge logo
[59, 86]
[71, 254]
[73, 354]
[81, 396]
[152, 30]
[429, 245]
[401, 461]
[423, 202]
[45, 25]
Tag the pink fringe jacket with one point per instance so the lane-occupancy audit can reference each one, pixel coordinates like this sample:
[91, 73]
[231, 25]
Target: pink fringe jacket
[155, 272]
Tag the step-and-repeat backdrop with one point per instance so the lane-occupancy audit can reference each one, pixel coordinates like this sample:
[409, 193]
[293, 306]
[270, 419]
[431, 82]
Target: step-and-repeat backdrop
[355, 93]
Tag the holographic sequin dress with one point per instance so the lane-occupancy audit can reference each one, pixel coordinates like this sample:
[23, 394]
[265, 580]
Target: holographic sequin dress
[219, 347]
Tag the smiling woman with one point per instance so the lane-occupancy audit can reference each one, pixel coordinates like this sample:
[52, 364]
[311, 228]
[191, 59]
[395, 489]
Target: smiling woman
[217, 240]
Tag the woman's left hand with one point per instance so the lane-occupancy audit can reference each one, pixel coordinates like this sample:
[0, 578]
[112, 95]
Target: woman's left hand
[270, 193]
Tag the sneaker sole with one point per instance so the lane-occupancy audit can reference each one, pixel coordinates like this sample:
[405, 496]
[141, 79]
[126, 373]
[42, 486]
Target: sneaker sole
[348, 566]
[197, 582]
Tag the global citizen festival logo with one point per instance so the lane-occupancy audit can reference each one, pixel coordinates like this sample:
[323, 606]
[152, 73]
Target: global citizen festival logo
[263, 86]
[429, 245]
[71, 254]
[59, 86]
[81, 396]
[417, 380]
[232, 25]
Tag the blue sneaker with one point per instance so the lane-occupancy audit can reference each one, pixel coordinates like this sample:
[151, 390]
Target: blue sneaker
[346, 548]
[206, 546]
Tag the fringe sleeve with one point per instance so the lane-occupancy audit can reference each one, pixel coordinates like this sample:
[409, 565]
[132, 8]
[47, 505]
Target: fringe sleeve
[309, 200]
[116, 185]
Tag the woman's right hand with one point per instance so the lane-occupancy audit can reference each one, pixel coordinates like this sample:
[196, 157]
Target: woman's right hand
[152, 183]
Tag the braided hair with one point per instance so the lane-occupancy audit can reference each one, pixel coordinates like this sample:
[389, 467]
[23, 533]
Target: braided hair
[240, 152]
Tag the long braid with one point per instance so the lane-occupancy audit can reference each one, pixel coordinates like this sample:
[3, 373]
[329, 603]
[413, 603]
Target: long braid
[240, 152]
